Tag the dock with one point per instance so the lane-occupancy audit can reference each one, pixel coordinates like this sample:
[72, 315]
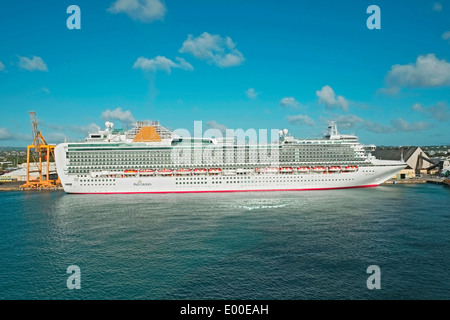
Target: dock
[15, 186]
[434, 180]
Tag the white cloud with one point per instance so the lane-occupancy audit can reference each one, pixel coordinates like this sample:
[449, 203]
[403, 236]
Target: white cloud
[214, 49]
[446, 35]
[377, 127]
[396, 125]
[251, 93]
[61, 132]
[348, 121]
[183, 64]
[217, 126]
[342, 102]
[2, 66]
[418, 107]
[125, 117]
[161, 63]
[6, 134]
[289, 102]
[300, 119]
[389, 91]
[85, 129]
[56, 137]
[437, 7]
[33, 64]
[403, 125]
[327, 96]
[440, 111]
[427, 71]
[140, 10]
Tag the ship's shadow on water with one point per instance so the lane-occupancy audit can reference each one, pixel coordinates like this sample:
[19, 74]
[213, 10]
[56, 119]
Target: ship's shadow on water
[251, 245]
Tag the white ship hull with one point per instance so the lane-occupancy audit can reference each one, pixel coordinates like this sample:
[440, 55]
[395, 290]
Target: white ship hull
[150, 159]
[108, 183]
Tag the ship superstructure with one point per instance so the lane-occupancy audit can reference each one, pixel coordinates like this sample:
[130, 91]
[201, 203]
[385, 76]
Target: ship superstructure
[152, 159]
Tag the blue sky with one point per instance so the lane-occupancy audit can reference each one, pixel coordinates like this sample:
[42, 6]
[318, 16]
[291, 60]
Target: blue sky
[231, 64]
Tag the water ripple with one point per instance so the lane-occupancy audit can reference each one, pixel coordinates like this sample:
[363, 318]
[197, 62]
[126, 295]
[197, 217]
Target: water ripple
[280, 245]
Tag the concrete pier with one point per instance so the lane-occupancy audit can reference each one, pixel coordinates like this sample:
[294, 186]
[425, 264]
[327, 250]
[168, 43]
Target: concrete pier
[15, 186]
[435, 180]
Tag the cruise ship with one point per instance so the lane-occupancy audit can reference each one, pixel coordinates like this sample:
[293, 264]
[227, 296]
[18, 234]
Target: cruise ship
[150, 158]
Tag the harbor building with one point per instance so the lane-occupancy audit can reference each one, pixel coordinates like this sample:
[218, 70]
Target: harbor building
[417, 161]
[20, 174]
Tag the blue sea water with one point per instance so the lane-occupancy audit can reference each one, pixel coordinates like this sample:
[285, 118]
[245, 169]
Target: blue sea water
[262, 245]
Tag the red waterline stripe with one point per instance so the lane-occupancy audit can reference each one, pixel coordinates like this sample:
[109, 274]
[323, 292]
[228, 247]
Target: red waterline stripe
[220, 191]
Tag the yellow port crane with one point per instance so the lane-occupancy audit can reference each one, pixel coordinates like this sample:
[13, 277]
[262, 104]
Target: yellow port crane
[38, 151]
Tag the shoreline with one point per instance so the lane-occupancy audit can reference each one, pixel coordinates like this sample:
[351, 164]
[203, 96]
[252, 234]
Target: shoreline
[433, 180]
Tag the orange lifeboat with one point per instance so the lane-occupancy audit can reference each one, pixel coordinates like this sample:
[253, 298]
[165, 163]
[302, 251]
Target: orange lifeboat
[334, 169]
